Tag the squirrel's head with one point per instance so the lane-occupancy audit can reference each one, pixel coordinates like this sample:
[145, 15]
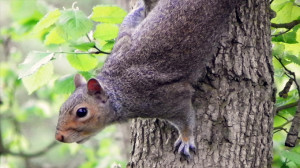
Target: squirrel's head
[85, 112]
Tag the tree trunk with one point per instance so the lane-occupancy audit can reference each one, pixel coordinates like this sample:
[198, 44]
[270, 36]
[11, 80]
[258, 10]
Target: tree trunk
[234, 103]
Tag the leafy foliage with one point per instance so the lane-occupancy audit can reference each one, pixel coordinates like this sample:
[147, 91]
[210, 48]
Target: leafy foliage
[38, 79]
[289, 37]
[66, 37]
[106, 31]
[72, 27]
[33, 62]
[108, 14]
[286, 52]
[54, 38]
[64, 85]
[48, 20]
[73, 24]
[82, 62]
[286, 11]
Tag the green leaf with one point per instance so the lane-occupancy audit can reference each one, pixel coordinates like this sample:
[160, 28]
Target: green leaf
[292, 97]
[285, 12]
[73, 24]
[291, 111]
[293, 59]
[278, 4]
[84, 46]
[33, 62]
[278, 49]
[82, 62]
[48, 20]
[298, 34]
[53, 38]
[106, 31]
[292, 156]
[87, 75]
[89, 164]
[108, 14]
[278, 121]
[23, 10]
[64, 85]
[293, 48]
[296, 149]
[289, 37]
[38, 79]
[108, 46]
[284, 165]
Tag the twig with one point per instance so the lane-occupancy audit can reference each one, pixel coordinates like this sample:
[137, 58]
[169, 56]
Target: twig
[30, 155]
[98, 50]
[92, 52]
[282, 117]
[280, 33]
[280, 129]
[286, 106]
[88, 37]
[281, 126]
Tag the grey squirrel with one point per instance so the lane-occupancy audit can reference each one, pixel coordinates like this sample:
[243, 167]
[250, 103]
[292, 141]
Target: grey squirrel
[150, 73]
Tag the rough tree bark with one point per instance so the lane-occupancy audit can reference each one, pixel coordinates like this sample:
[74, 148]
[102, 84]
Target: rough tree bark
[234, 103]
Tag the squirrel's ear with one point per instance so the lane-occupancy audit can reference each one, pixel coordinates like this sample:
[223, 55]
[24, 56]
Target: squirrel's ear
[94, 86]
[79, 80]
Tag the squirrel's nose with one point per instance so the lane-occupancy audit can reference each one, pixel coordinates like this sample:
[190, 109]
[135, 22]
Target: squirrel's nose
[59, 136]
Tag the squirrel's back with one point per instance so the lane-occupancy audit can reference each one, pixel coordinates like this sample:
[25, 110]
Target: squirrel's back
[161, 51]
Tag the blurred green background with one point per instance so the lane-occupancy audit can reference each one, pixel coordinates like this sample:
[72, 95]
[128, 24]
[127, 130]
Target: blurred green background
[27, 122]
[29, 105]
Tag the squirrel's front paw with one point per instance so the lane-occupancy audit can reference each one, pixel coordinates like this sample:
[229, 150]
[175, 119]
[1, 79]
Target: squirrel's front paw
[184, 146]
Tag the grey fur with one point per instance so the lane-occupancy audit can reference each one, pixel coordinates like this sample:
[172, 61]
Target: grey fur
[154, 64]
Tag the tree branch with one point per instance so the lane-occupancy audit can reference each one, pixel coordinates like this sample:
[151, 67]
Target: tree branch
[29, 155]
[4, 151]
[292, 136]
[1, 139]
[291, 74]
[286, 89]
[286, 25]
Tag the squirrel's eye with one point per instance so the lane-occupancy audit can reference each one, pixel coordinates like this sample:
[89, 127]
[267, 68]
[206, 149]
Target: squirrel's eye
[81, 112]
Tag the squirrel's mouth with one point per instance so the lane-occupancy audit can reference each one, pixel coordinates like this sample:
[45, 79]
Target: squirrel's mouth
[82, 140]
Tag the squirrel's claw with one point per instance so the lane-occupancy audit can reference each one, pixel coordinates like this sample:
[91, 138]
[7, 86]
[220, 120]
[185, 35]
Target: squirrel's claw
[183, 148]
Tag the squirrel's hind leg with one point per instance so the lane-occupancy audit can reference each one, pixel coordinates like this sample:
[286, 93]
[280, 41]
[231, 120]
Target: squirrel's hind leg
[186, 141]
